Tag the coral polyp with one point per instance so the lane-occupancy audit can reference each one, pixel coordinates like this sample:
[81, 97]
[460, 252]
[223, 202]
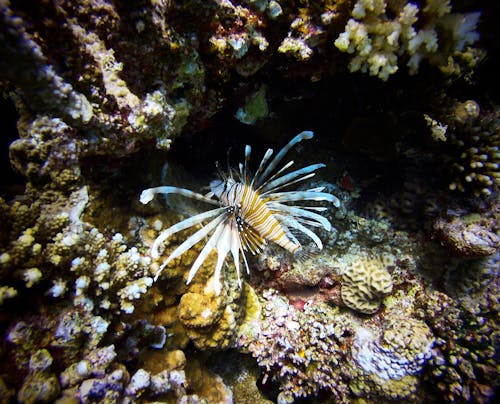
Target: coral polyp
[250, 212]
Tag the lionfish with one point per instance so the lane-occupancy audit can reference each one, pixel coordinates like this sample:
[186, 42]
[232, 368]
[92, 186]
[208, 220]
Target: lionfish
[249, 212]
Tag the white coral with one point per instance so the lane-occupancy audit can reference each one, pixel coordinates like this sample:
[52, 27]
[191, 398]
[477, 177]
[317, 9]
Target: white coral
[377, 41]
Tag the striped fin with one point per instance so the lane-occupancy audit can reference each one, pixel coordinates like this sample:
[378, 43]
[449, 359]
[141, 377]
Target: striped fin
[223, 246]
[296, 211]
[211, 243]
[235, 250]
[262, 164]
[189, 222]
[303, 196]
[189, 242]
[244, 259]
[248, 150]
[303, 178]
[148, 194]
[272, 165]
[287, 179]
[275, 175]
[296, 225]
[251, 239]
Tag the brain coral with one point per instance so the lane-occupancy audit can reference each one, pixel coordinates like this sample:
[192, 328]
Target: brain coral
[364, 284]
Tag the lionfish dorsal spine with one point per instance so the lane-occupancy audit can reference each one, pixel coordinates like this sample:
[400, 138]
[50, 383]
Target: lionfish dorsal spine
[275, 161]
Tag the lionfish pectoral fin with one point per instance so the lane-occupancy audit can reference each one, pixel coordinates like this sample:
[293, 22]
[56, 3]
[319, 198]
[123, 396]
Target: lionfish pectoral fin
[211, 243]
[294, 196]
[302, 212]
[191, 241]
[235, 251]
[291, 222]
[262, 164]
[275, 175]
[148, 194]
[185, 224]
[223, 246]
[245, 260]
[216, 275]
[291, 178]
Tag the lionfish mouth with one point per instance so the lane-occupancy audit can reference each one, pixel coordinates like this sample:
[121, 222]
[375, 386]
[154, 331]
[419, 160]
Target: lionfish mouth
[249, 211]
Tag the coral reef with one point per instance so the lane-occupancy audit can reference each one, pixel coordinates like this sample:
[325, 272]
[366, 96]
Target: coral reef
[466, 237]
[387, 363]
[105, 99]
[463, 366]
[209, 321]
[40, 385]
[404, 347]
[51, 242]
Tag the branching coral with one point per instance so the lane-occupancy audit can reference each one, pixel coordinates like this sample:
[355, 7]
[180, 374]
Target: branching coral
[51, 242]
[378, 41]
[464, 367]
[301, 352]
[471, 138]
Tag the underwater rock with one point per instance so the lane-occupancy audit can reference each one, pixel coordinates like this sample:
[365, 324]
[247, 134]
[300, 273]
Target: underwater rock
[466, 239]
[40, 385]
[303, 275]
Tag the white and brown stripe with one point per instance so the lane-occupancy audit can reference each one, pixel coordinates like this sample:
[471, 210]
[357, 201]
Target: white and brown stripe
[252, 210]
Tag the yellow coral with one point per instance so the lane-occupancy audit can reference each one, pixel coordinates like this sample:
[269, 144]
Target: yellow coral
[364, 284]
